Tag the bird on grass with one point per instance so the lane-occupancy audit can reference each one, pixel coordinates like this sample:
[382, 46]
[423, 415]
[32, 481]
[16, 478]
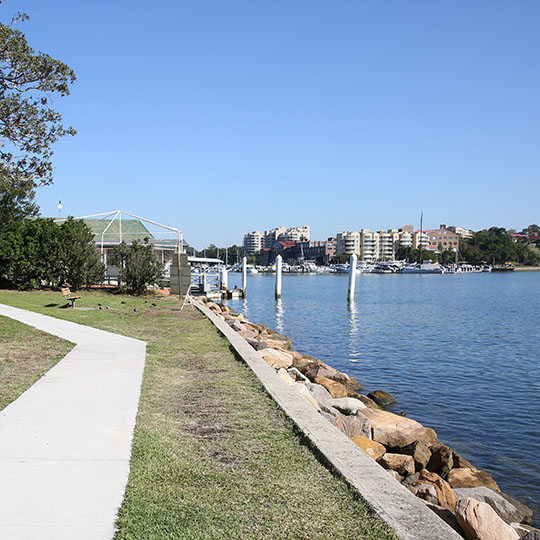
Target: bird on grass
[154, 304]
[107, 307]
[135, 309]
[122, 302]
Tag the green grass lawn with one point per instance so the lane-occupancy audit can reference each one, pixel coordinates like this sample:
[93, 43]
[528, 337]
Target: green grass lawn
[213, 456]
[26, 354]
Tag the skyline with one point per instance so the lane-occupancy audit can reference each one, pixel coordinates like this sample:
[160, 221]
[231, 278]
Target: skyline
[222, 119]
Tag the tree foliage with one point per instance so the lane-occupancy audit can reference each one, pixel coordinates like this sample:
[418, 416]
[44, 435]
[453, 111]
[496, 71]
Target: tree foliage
[28, 125]
[78, 261]
[494, 245]
[39, 252]
[138, 266]
[16, 203]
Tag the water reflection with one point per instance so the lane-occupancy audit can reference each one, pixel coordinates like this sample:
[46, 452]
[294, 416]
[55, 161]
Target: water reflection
[279, 315]
[354, 329]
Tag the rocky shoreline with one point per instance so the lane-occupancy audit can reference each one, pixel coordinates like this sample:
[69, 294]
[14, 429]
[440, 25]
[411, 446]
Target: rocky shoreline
[465, 497]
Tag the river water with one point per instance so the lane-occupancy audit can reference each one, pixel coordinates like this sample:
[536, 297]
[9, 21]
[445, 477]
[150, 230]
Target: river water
[459, 352]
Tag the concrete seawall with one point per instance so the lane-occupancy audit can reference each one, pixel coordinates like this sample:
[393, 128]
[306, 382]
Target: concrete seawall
[393, 503]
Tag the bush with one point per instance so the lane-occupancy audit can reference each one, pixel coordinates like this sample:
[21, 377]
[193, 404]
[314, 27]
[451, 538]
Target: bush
[138, 266]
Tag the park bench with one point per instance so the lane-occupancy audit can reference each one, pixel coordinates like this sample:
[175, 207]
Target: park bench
[66, 293]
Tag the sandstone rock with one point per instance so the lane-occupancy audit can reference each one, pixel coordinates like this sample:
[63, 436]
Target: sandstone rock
[395, 475]
[382, 398]
[330, 410]
[368, 402]
[507, 508]
[285, 376]
[441, 460]
[226, 309]
[460, 462]
[350, 383]
[446, 497]
[336, 389]
[276, 338]
[236, 325]
[214, 307]
[320, 369]
[392, 430]
[346, 405]
[480, 522]
[426, 492]
[446, 516]
[276, 359]
[420, 452]
[247, 333]
[373, 449]
[304, 394]
[429, 437]
[532, 535]
[318, 392]
[297, 375]
[411, 479]
[467, 478]
[354, 425]
[302, 363]
[401, 463]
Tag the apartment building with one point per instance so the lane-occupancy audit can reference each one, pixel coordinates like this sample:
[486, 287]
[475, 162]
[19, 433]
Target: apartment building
[464, 233]
[348, 242]
[296, 234]
[253, 242]
[371, 246]
[257, 240]
[443, 237]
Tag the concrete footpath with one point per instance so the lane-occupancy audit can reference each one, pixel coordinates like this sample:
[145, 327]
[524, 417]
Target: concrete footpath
[65, 444]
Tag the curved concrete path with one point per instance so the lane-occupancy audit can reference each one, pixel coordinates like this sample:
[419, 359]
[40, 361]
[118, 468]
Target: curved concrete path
[65, 444]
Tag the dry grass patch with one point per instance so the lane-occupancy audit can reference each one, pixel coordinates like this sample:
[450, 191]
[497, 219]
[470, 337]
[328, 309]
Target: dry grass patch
[26, 354]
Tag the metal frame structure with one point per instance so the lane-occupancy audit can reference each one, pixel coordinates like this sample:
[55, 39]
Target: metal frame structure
[117, 214]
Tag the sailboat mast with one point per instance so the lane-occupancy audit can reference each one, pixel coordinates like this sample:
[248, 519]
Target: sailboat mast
[421, 234]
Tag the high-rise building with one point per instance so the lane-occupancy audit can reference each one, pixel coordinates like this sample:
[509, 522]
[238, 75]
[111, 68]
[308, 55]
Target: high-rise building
[253, 242]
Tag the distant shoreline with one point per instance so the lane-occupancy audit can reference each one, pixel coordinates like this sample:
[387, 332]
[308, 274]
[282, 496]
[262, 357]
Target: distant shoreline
[527, 269]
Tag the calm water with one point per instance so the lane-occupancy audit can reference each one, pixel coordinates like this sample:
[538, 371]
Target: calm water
[459, 352]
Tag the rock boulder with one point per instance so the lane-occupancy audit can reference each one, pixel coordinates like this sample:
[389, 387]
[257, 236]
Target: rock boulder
[401, 463]
[373, 449]
[507, 508]
[382, 398]
[276, 359]
[445, 496]
[468, 478]
[480, 522]
[354, 425]
[441, 461]
[392, 430]
[336, 389]
[346, 405]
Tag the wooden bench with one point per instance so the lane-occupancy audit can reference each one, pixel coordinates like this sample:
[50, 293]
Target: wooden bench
[66, 293]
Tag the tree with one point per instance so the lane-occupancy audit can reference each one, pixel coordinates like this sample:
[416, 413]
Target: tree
[78, 261]
[138, 266]
[28, 125]
[29, 254]
[16, 203]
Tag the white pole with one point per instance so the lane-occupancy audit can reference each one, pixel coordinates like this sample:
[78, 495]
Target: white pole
[224, 278]
[278, 276]
[352, 277]
[244, 273]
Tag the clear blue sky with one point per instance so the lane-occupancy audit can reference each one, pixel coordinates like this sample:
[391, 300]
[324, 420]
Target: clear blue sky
[222, 117]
